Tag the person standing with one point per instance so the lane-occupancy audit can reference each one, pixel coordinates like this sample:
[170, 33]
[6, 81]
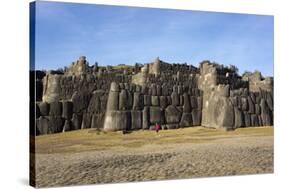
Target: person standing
[157, 127]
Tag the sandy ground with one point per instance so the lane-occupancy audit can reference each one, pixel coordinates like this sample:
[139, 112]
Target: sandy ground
[230, 154]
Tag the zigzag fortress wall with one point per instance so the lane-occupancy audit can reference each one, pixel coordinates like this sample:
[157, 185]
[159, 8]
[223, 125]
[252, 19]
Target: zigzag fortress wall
[138, 97]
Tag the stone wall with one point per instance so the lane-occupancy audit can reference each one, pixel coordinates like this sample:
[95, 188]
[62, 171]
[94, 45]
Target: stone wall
[233, 104]
[173, 95]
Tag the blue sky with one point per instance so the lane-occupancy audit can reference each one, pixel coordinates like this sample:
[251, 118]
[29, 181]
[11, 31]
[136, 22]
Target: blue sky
[114, 35]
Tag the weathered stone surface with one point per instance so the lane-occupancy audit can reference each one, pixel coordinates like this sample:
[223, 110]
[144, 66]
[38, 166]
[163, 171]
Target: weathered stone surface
[66, 126]
[186, 103]
[136, 120]
[247, 119]
[55, 109]
[175, 99]
[163, 102]
[86, 121]
[97, 103]
[251, 105]
[158, 90]
[114, 87]
[186, 120]
[254, 120]
[113, 101]
[239, 120]
[156, 115]
[147, 100]
[97, 120]
[138, 101]
[145, 118]
[265, 114]
[153, 90]
[44, 108]
[80, 101]
[193, 102]
[196, 117]
[55, 124]
[165, 90]
[258, 109]
[199, 103]
[42, 126]
[244, 104]
[154, 100]
[123, 100]
[172, 114]
[67, 109]
[76, 121]
[269, 100]
[117, 120]
[37, 111]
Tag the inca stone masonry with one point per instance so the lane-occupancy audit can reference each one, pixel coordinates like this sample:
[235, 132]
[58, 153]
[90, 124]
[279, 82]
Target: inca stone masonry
[136, 97]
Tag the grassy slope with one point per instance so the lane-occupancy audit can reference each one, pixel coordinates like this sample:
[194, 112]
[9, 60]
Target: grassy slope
[91, 139]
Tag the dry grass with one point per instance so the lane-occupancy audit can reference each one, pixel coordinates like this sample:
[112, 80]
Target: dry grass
[93, 140]
[89, 156]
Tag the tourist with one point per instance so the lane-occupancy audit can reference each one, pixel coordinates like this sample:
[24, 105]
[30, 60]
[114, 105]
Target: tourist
[157, 127]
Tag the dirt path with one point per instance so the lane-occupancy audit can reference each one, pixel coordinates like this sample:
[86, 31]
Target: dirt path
[224, 155]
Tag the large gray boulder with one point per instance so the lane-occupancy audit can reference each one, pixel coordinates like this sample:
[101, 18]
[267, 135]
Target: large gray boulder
[44, 108]
[163, 102]
[136, 118]
[86, 121]
[254, 120]
[80, 101]
[239, 120]
[42, 126]
[186, 120]
[196, 117]
[97, 120]
[269, 100]
[123, 100]
[194, 102]
[145, 118]
[258, 109]
[55, 124]
[265, 113]
[117, 120]
[156, 115]
[67, 109]
[247, 119]
[154, 100]
[158, 90]
[175, 98]
[172, 114]
[251, 105]
[96, 104]
[186, 103]
[66, 126]
[76, 121]
[55, 108]
[112, 101]
[138, 101]
[147, 100]
[244, 103]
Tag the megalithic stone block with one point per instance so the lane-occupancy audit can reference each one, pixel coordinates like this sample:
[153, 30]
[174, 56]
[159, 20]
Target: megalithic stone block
[123, 100]
[117, 120]
[145, 118]
[136, 118]
[172, 114]
[186, 120]
[67, 109]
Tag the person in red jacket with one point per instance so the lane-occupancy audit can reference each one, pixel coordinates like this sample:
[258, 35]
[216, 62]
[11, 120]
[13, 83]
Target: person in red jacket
[157, 127]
